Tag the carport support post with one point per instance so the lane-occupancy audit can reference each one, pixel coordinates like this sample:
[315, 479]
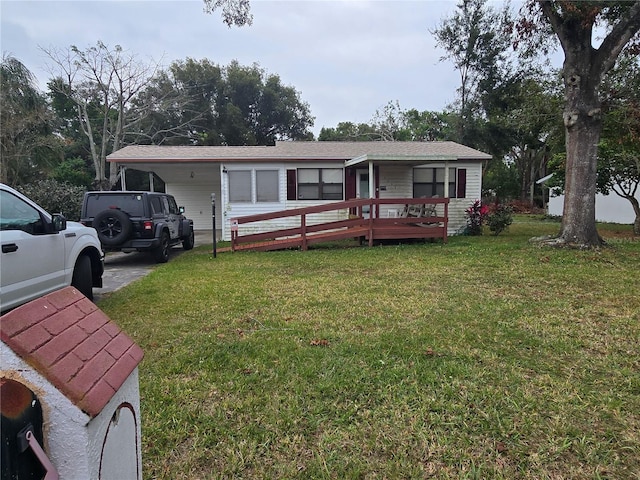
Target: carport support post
[213, 215]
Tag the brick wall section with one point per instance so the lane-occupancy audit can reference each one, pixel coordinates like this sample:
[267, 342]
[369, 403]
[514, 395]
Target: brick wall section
[74, 345]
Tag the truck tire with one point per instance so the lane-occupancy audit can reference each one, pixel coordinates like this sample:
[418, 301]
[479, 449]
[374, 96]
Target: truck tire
[113, 226]
[189, 240]
[161, 253]
[82, 276]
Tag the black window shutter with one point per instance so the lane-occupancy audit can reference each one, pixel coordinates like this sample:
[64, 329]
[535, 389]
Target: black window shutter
[292, 185]
[461, 187]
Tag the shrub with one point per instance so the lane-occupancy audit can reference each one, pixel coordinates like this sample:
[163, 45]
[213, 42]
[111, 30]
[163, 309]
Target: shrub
[500, 218]
[56, 197]
[476, 215]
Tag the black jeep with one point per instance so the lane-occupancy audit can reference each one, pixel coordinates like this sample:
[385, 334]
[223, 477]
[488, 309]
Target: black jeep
[137, 221]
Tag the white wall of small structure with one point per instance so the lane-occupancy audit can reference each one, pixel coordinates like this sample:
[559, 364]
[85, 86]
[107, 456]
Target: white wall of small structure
[74, 441]
[609, 208]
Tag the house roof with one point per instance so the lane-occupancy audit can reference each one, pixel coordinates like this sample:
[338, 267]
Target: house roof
[300, 150]
[74, 345]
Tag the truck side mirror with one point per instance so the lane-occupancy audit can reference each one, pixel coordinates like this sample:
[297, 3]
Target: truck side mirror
[59, 222]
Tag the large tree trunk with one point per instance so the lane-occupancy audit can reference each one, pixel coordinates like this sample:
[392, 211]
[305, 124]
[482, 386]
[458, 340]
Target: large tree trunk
[636, 209]
[583, 125]
[584, 67]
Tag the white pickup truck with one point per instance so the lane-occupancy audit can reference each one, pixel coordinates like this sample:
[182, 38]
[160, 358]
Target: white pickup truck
[43, 252]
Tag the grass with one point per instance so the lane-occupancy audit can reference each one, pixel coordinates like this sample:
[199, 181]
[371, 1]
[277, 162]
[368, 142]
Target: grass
[487, 357]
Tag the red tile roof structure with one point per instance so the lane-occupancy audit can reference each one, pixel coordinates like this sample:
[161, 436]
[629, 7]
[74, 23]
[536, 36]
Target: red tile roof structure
[74, 345]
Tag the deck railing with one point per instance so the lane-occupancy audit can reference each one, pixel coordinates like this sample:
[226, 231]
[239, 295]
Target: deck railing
[412, 218]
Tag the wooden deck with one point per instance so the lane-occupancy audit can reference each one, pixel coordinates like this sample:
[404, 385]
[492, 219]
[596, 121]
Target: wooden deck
[420, 218]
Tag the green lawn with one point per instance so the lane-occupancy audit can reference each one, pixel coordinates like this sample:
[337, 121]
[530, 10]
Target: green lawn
[487, 357]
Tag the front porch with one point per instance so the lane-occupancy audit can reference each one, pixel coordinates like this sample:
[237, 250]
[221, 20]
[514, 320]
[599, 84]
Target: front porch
[412, 218]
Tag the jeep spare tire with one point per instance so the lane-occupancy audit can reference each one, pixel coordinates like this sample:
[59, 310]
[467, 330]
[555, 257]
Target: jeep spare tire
[113, 226]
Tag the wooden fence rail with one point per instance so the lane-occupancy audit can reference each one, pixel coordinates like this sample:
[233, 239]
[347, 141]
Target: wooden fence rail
[417, 218]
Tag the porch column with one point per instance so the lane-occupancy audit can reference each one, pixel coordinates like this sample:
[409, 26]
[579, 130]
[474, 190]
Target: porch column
[372, 194]
[372, 183]
[123, 177]
[446, 179]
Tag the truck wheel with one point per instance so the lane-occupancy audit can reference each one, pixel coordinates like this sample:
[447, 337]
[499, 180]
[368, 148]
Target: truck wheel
[82, 279]
[161, 253]
[189, 241]
[113, 226]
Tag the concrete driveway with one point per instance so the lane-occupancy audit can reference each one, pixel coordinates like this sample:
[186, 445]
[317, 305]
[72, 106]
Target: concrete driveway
[120, 269]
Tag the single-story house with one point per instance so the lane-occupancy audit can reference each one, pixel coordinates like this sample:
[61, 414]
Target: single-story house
[248, 180]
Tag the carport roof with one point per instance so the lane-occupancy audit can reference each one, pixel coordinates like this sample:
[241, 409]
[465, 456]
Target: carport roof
[350, 152]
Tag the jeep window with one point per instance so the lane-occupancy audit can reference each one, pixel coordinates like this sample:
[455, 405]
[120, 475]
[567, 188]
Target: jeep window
[131, 204]
[15, 214]
[173, 206]
[156, 205]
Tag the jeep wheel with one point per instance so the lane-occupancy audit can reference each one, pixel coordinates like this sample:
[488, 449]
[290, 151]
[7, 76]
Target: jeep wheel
[82, 279]
[161, 253]
[113, 226]
[189, 241]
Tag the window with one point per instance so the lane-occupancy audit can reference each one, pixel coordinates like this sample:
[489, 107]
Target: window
[429, 182]
[240, 186]
[173, 206]
[15, 214]
[156, 205]
[320, 184]
[267, 186]
[132, 204]
[254, 186]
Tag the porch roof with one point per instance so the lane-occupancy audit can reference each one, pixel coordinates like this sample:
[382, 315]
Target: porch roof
[352, 153]
[399, 159]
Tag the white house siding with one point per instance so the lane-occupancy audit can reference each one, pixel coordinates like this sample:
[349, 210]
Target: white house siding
[243, 209]
[397, 181]
[195, 197]
[236, 210]
[457, 207]
[609, 208]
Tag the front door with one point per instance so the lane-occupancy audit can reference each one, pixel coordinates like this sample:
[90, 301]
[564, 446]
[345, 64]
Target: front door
[362, 189]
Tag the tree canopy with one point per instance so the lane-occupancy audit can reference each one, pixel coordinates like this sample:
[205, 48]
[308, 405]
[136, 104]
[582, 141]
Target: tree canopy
[99, 84]
[105, 98]
[232, 105]
[26, 140]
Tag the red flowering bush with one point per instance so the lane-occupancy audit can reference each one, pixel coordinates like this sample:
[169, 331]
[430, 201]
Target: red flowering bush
[476, 215]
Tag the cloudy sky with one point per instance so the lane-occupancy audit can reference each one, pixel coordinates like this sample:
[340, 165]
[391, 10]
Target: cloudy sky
[346, 58]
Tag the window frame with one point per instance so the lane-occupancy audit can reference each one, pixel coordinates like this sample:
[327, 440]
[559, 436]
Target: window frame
[253, 186]
[434, 184]
[257, 173]
[323, 188]
[232, 191]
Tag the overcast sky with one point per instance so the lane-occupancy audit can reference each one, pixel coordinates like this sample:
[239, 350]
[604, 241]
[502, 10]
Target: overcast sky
[346, 58]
